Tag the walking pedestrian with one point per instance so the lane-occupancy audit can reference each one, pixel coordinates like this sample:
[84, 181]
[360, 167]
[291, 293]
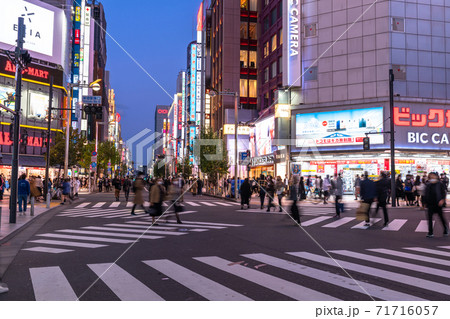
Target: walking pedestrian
[117, 183]
[382, 189]
[126, 187]
[435, 197]
[301, 189]
[270, 189]
[338, 190]
[65, 192]
[280, 189]
[262, 190]
[368, 195]
[293, 196]
[246, 193]
[76, 187]
[399, 189]
[357, 186]
[326, 189]
[23, 191]
[156, 198]
[138, 189]
[175, 191]
[194, 188]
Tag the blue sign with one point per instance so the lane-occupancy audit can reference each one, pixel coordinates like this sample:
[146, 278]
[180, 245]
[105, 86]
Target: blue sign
[94, 153]
[243, 156]
[92, 99]
[94, 165]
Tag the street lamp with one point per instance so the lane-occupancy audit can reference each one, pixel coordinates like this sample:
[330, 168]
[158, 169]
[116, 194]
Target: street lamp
[95, 87]
[213, 93]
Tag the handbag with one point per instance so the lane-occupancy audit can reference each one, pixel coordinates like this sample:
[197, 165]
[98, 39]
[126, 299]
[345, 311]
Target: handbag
[362, 211]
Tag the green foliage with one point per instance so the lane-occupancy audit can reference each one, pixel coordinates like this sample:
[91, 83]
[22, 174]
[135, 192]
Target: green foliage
[215, 146]
[159, 168]
[76, 149]
[107, 152]
[185, 168]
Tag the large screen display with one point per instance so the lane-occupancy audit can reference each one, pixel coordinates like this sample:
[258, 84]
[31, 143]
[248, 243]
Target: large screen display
[336, 128]
[261, 137]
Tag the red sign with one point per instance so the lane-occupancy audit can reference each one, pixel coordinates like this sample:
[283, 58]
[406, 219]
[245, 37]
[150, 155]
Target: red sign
[436, 118]
[118, 117]
[77, 36]
[30, 70]
[163, 111]
[180, 114]
[324, 123]
[31, 140]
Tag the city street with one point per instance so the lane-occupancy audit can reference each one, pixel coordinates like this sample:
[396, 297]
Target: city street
[220, 252]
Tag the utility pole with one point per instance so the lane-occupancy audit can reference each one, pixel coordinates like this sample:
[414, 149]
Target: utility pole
[15, 150]
[69, 114]
[236, 98]
[392, 134]
[47, 163]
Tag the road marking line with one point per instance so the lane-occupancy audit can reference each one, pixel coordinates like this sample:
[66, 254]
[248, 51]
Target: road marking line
[334, 279]
[201, 285]
[91, 238]
[97, 214]
[83, 205]
[114, 204]
[130, 204]
[99, 204]
[393, 263]
[156, 227]
[124, 285]
[48, 250]
[361, 225]
[315, 221]
[88, 232]
[376, 272]
[395, 225]
[423, 227]
[223, 204]
[279, 285]
[411, 256]
[66, 243]
[259, 211]
[192, 204]
[127, 230]
[182, 225]
[50, 284]
[208, 204]
[429, 251]
[339, 222]
[209, 224]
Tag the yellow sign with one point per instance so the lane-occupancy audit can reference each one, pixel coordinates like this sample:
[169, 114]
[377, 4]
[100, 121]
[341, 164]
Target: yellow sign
[228, 129]
[282, 111]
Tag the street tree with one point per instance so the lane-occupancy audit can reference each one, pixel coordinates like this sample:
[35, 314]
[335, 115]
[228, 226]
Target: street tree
[185, 168]
[76, 149]
[107, 153]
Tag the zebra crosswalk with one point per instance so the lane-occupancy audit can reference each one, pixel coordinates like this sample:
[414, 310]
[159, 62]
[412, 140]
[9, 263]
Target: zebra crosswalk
[406, 274]
[92, 237]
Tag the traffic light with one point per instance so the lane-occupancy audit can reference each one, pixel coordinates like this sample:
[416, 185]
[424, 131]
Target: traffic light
[98, 112]
[366, 143]
[25, 57]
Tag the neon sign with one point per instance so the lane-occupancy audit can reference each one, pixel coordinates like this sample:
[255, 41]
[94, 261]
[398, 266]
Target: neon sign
[436, 118]
[30, 71]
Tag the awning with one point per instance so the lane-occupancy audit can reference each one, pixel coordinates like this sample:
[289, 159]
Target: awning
[24, 160]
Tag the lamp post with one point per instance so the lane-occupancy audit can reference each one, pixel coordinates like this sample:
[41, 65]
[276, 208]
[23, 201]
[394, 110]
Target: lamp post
[94, 86]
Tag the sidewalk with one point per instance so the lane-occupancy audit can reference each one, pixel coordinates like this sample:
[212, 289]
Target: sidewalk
[7, 229]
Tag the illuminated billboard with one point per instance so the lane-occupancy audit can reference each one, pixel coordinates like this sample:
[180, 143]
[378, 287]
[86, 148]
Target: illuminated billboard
[292, 59]
[336, 128]
[261, 137]
[193, 83]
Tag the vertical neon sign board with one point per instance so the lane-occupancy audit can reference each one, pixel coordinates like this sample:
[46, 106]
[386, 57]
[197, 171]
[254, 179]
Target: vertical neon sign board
[292, 58]
[193, 83]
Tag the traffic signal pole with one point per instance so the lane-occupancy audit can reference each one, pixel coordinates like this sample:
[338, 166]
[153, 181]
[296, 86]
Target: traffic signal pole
[15, 150]
[392, 134]
[47, 162]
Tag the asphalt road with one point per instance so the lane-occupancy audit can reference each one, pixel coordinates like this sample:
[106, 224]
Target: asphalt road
[223, 253]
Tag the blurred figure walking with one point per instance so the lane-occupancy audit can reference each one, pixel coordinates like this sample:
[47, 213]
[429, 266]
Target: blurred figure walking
[435, 196]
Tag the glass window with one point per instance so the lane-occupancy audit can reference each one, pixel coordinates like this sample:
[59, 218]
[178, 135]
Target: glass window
[243, 84]
[244, 4]
[252, 31]
[266, 75]
[266, 49]
[244, 59]
[274, 42]
[280, 65]
[252, 59]
[253, 5]
[274, 69]
[266, 24]
[273, 16]
[280, 9]
[252, 88]
[244, 30]
[281, 36]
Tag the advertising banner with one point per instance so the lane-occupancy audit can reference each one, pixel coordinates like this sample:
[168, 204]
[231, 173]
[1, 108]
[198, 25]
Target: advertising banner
[420, 126]
[193, 83]
[337, 128]
[7, 97]
[261, 137]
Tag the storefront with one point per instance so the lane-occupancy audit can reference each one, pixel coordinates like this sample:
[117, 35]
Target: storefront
[330, 142]
[262, 165]
[280, 163]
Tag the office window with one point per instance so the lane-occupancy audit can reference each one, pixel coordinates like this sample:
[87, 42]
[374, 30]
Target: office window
[274, 69]
[252, 59]
[244, 4]
[244, 59]
[280, 65]
[266, 49]
[280, 9]
[253, 5]
[252, 88]
[252, 31]
[273, 16]
[244, 30]
[274, 42]
[243, 85]
[266, 24]
[281, 36]
[266, 75]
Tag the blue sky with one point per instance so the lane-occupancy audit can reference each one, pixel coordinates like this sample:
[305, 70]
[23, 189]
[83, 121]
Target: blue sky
[155, 34]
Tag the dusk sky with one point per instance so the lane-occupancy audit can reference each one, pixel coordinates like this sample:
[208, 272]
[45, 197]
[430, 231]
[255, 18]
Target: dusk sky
[156, 35]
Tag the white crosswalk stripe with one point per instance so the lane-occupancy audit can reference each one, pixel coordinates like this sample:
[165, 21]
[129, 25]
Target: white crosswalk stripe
[52, 283]
[223, 203]
[48, 250]
[173, 227]
[99, 204]
[83, 205]
[184, 225]
[114, 204]
[279, 285]
[362, 225]
[192, 204]
[339, 222]
[101, 233]
[423, 226]
[130, 204]
[208, 203]
[377, 272]
[395, 225]
[195, 282]
[140, 231]
[124, 285]
[65, 243]
[315, 221]
[87, 238]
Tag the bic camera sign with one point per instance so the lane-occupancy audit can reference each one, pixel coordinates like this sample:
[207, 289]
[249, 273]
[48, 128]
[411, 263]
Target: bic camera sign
[38, 23]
